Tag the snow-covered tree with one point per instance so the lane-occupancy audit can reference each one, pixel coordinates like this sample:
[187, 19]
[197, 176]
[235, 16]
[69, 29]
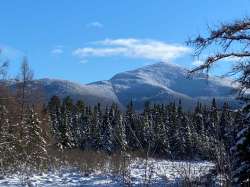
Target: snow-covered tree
[7, 140]
[200, 139]
[33, 142]
[118, 126]
[65, 126]
[131, 125]
[107, 137]
[160, 123]
[80, 130]
[148, 133]
[54, 109]
[241, 160]
[96, 125]
[120, 132]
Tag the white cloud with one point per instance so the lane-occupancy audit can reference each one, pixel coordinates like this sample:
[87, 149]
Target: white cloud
[10, 53]
[88, 51]
[58, 50]
[133, 48]
[96, 24]
[202, 59]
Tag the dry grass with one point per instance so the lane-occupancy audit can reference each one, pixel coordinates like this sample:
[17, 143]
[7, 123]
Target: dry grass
[89, 161]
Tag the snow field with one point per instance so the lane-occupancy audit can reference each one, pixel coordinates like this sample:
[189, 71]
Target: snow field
[139, 172]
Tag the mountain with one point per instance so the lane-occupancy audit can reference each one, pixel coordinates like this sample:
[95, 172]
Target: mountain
[157, 83]
[164, 82]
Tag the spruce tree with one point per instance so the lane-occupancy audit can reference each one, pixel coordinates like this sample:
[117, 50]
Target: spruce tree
[131, 123]
[65, 127]
[148, 133]
[173, 130]
[120, 132]
[80, 130]
[226, 126]
[96, 125]
[55, 118]
[214, 128]
[241, 151]
[179, 137]
[198, 132]
[8, 140]
[87, 128]
[107, 137]
[160, 131]
[118, 126]
[33, 142]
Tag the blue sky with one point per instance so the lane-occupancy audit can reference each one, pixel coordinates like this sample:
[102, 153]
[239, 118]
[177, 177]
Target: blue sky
[90, 40]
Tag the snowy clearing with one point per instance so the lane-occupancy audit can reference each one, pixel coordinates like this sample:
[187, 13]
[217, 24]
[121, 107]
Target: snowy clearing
[158, 173]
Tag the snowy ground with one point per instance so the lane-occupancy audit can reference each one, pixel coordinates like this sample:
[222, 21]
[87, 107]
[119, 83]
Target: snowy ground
[159, 173]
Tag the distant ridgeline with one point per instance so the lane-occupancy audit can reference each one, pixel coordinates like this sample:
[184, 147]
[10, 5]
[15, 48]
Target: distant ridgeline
[159, 130]
[157, 83]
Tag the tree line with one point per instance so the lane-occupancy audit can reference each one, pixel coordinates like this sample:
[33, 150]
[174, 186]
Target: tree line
[161, 130]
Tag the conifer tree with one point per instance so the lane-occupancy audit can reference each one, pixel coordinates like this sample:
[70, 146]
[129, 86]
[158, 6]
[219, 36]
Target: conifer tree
[118, 126]
[173, 128]
[241, 151]
[120, 132]
[8, 140]
[87, 128]
[214, 127]
[96, 125]
[148, 134]
[33, 143]
[160, 133]
[198, 131]
[179, 138]
[65, 124]
[80, 131]
[55, 118]
[132, 139]
[107, 137]
[226, 126]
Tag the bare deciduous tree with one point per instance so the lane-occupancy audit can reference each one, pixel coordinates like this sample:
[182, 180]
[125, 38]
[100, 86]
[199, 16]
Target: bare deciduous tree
[3, 67]
[24, 77]
[232, 41]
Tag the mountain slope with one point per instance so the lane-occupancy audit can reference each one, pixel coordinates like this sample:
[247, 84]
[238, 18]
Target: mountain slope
[163, 83]
[93, 94]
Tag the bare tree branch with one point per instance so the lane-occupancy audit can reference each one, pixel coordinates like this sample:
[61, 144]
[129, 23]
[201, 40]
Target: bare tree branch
[237, 31]
[211, 59]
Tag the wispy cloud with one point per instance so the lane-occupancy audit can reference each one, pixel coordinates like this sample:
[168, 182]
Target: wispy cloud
[202, 60]
[95, 24]
[133, 48]
[10, 53]
[58, 50]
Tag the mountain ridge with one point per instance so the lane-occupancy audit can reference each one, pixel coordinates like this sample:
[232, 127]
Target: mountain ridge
[157, 83]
